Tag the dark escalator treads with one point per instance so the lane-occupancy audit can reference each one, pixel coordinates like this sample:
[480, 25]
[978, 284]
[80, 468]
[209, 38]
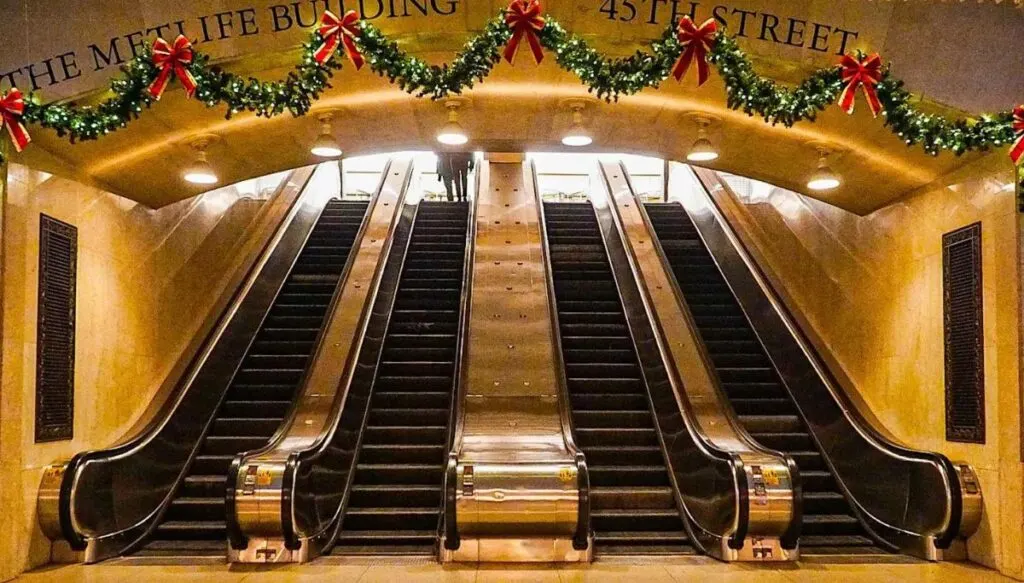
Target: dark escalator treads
[633, 506]
[395, 501]
[261, 393]
[753, 387]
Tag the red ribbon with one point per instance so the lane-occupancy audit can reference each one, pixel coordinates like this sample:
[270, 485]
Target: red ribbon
[337, 31]
[1017, 152]
[173, 58]
[523, 17]
[12, 107]
[696, 42]
[861, 72]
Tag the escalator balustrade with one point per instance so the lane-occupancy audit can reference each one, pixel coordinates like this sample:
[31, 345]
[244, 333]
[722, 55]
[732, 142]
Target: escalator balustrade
[633, 506]
[753, 386]
[263, 388]
[395, 501]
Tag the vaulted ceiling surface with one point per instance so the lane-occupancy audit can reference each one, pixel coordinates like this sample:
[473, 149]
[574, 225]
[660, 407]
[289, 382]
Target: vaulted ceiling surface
[523, 107]
[519, 108]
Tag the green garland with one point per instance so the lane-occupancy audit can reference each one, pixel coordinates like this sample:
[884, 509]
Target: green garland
[607, 78]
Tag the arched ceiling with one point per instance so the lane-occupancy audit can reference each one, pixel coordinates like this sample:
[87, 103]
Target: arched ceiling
[523, 107]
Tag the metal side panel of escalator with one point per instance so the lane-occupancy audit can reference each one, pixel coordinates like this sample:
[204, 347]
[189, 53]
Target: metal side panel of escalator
[633, 505]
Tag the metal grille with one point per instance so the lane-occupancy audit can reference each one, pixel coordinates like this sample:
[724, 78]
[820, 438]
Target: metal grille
[55, 340]
[964, 335]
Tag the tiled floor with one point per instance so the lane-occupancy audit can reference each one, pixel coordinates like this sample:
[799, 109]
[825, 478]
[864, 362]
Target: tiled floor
[703, 570]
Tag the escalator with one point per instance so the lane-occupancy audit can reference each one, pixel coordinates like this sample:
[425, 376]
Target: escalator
[633, 504]
[753, 386]
[262, 390]
[394, 503]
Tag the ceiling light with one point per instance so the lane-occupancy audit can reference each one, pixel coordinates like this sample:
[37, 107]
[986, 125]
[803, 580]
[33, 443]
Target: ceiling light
[702, 150]
[824, 178]
[326, 146]
[200, 171]
[451, 133]
[577, 136]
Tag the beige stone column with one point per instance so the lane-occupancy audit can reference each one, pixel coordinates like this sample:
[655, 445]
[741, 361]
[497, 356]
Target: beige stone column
[10, 428]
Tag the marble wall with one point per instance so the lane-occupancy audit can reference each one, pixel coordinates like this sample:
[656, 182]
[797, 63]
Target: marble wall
[869, 291]
[147, 282]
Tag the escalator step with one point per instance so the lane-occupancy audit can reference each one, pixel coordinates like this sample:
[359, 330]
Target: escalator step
[772, 423]
[391, 518]
[193, 530]
[196, 509]
[628, 474]
[377, 453]
[597, 437]
[406, 434]
[612, 419]
[624, 454]
[625, 497]
[379, 495]
[658, 520]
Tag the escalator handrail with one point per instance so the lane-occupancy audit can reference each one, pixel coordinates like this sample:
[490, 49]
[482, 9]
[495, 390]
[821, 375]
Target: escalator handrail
[582, 535]
[789, 538]
[699, 533]
[311, 455]
[952, 518]
[149, 432]
[448, 527]
[235, 536]
[389, 282]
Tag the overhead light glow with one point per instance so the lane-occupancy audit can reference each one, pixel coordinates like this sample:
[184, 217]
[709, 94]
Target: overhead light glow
[577, 136]
[326, 146]
[702, 150]
[200, 172]
[452, 133]
[824, 178]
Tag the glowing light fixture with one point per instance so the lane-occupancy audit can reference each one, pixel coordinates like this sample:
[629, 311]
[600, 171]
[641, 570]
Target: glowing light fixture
[200, 171]
[451, 133]
[326, 146]
[824, 178]
[577, 136]
[702, 150]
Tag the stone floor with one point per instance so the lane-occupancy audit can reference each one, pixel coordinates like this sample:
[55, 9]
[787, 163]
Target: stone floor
[363, 571]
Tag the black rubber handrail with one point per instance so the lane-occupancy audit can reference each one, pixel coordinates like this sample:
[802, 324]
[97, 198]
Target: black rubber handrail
[861, 458]
[155, 451]
[581, 538]
[448, 529]
[236, 538]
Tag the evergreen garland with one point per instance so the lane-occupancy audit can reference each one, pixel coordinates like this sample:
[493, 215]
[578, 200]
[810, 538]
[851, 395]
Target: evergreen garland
[607, 78]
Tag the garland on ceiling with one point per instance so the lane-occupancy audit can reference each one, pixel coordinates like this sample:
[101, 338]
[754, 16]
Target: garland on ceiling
[682, 45]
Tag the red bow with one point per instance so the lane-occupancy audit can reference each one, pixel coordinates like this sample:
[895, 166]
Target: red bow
[696, 43]
[172, 58]
[523, 17]
[866, 73]
[1017, 152]
[12, 107]
[337, 31]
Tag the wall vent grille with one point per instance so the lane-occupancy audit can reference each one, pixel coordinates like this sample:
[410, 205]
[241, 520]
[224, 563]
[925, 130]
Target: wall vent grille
[55, 330]
[963, 335]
